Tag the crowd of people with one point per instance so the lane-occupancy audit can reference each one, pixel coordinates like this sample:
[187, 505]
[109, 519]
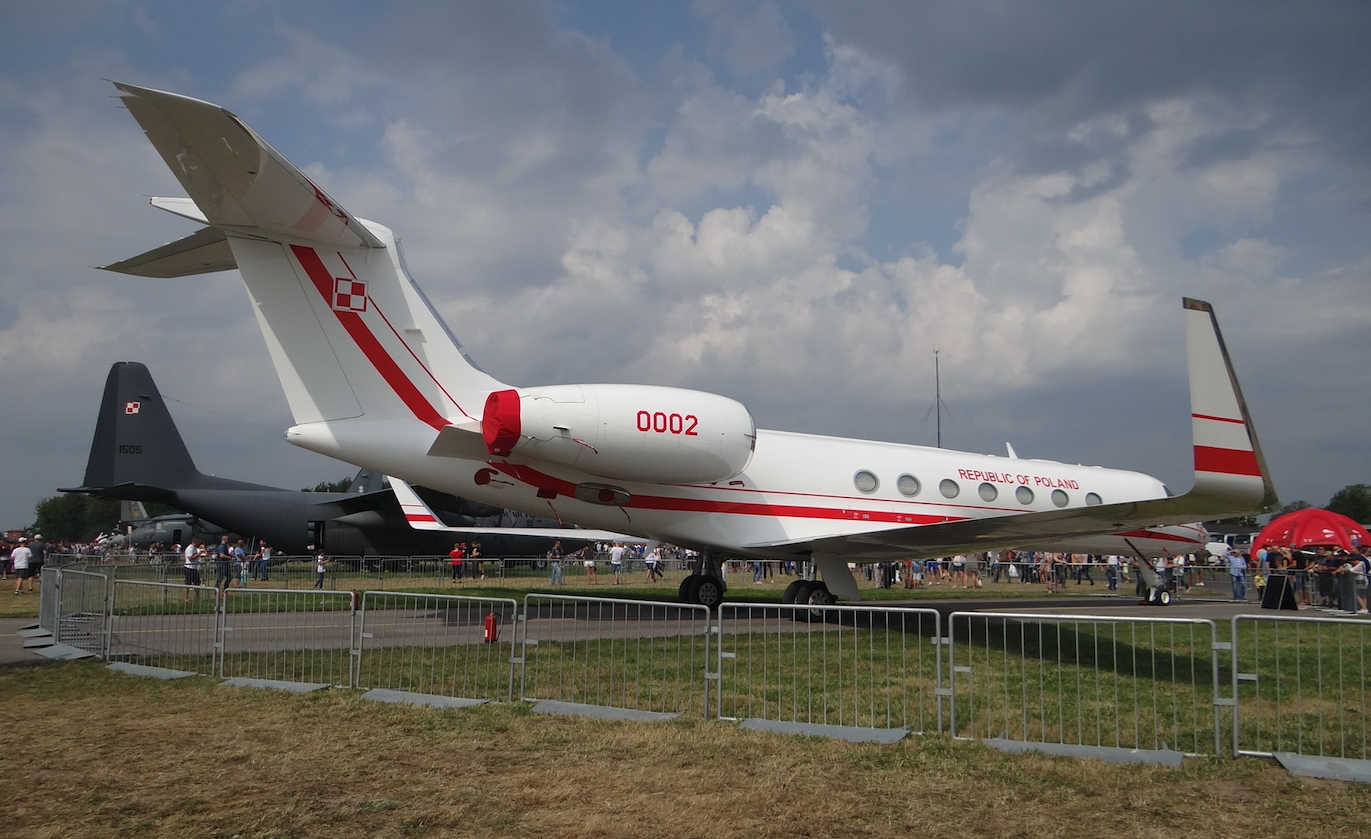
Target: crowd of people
[1324, 577]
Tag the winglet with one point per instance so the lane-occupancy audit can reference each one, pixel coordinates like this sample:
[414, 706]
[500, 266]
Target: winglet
[1228, 459]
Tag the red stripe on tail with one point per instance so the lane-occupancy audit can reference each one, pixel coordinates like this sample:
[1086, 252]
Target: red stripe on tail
[415, 400]
[1226, 461]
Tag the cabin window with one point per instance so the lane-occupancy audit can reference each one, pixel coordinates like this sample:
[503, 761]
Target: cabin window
[949, 488]
[865, 482]
[988, 492]
[908, 485]
[1024, 494]
[1060, 498]
[1092, 499]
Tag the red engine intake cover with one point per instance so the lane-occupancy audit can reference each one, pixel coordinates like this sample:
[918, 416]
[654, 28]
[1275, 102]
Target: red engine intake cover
[500, 424]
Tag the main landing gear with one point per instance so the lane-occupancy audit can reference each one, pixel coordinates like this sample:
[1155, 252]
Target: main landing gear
[808, 593]
[706, 591]
[705, 585]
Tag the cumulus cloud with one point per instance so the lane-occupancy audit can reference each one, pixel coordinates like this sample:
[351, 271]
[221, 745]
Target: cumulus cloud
[726, 225]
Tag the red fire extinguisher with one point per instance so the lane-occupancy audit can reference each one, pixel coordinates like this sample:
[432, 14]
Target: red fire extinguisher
[492, 624]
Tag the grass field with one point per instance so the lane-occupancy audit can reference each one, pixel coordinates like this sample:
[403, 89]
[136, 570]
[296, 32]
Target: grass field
[102, 754]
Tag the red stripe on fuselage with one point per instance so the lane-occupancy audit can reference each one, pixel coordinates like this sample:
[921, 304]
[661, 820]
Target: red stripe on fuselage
[417, 403]
[1226, 461]
[541, 480]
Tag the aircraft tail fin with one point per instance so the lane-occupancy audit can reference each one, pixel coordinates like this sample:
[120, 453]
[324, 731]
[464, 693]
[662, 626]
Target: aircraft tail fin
[365, 482]
[349, 332]
[136, 441]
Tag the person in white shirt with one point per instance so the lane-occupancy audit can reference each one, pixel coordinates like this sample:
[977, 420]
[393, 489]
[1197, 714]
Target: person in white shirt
[192, 560]
[19, 561]
[616, 562]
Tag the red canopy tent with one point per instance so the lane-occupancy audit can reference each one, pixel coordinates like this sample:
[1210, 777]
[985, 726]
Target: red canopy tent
[1312, 526]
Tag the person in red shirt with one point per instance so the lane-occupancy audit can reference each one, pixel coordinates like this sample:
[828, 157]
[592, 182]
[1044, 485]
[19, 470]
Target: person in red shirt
[455, 557]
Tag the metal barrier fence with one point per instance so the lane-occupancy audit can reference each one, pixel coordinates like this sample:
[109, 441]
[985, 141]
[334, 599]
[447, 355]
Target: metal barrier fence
[1299, 684]
[1302, 685]
[401, 573]
[175, 627]
[49, 597]
[438, 644]
[1098, 682]
[82, 611]
[288, 636]
[856, 666]
[622, 654]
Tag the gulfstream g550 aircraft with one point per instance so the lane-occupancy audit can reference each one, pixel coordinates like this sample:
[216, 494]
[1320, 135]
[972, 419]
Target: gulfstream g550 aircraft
[374, 377]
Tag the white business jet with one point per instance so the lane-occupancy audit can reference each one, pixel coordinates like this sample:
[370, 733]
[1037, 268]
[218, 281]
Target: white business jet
[374, 377]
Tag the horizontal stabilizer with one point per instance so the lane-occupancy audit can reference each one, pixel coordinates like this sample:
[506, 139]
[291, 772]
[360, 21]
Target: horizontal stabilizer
[202, 252]
[239, 182]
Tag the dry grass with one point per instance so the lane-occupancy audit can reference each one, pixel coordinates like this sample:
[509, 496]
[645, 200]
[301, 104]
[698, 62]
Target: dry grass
[22, 606]
[101, 754]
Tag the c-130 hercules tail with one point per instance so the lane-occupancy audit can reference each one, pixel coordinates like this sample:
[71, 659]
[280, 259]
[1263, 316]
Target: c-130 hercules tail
[374, 377]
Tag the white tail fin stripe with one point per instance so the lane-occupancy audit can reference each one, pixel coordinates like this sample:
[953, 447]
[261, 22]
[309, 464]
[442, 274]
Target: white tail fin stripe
[1222, 435]
[417, 360]
[400, 338]
[367, 342]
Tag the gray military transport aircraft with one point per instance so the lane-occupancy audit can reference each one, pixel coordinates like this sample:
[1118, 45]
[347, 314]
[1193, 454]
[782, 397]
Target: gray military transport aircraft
[137, 454]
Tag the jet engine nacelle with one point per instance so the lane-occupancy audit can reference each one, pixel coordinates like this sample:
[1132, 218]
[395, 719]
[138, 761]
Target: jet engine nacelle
[629, 432]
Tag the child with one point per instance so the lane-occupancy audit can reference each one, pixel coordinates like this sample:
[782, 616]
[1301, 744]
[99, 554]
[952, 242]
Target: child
[1259, 579]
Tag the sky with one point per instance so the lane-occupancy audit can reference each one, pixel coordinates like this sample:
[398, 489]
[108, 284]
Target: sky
[794, 204]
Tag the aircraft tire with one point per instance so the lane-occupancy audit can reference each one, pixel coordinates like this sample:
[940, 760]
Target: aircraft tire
[1163, 598]
[683, 593]
[819, 595]
[791, 591]
[802, 599]
[708, 592]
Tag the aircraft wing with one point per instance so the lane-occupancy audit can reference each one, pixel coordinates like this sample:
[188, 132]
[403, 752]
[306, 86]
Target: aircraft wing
[128, 490]
[420, 517]
[1231, 478]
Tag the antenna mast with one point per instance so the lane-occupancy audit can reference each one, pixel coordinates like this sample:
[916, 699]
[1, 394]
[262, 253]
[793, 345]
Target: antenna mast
[937, 398]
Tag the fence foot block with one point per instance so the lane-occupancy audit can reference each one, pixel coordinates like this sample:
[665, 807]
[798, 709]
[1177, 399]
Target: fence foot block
[294, 687]
[37, 642]
[387, 695]
[34, 632]
[851, 733]
[1332, 768]
[152, 672]
[1109, 754]
[602, 712]
[63, 652]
